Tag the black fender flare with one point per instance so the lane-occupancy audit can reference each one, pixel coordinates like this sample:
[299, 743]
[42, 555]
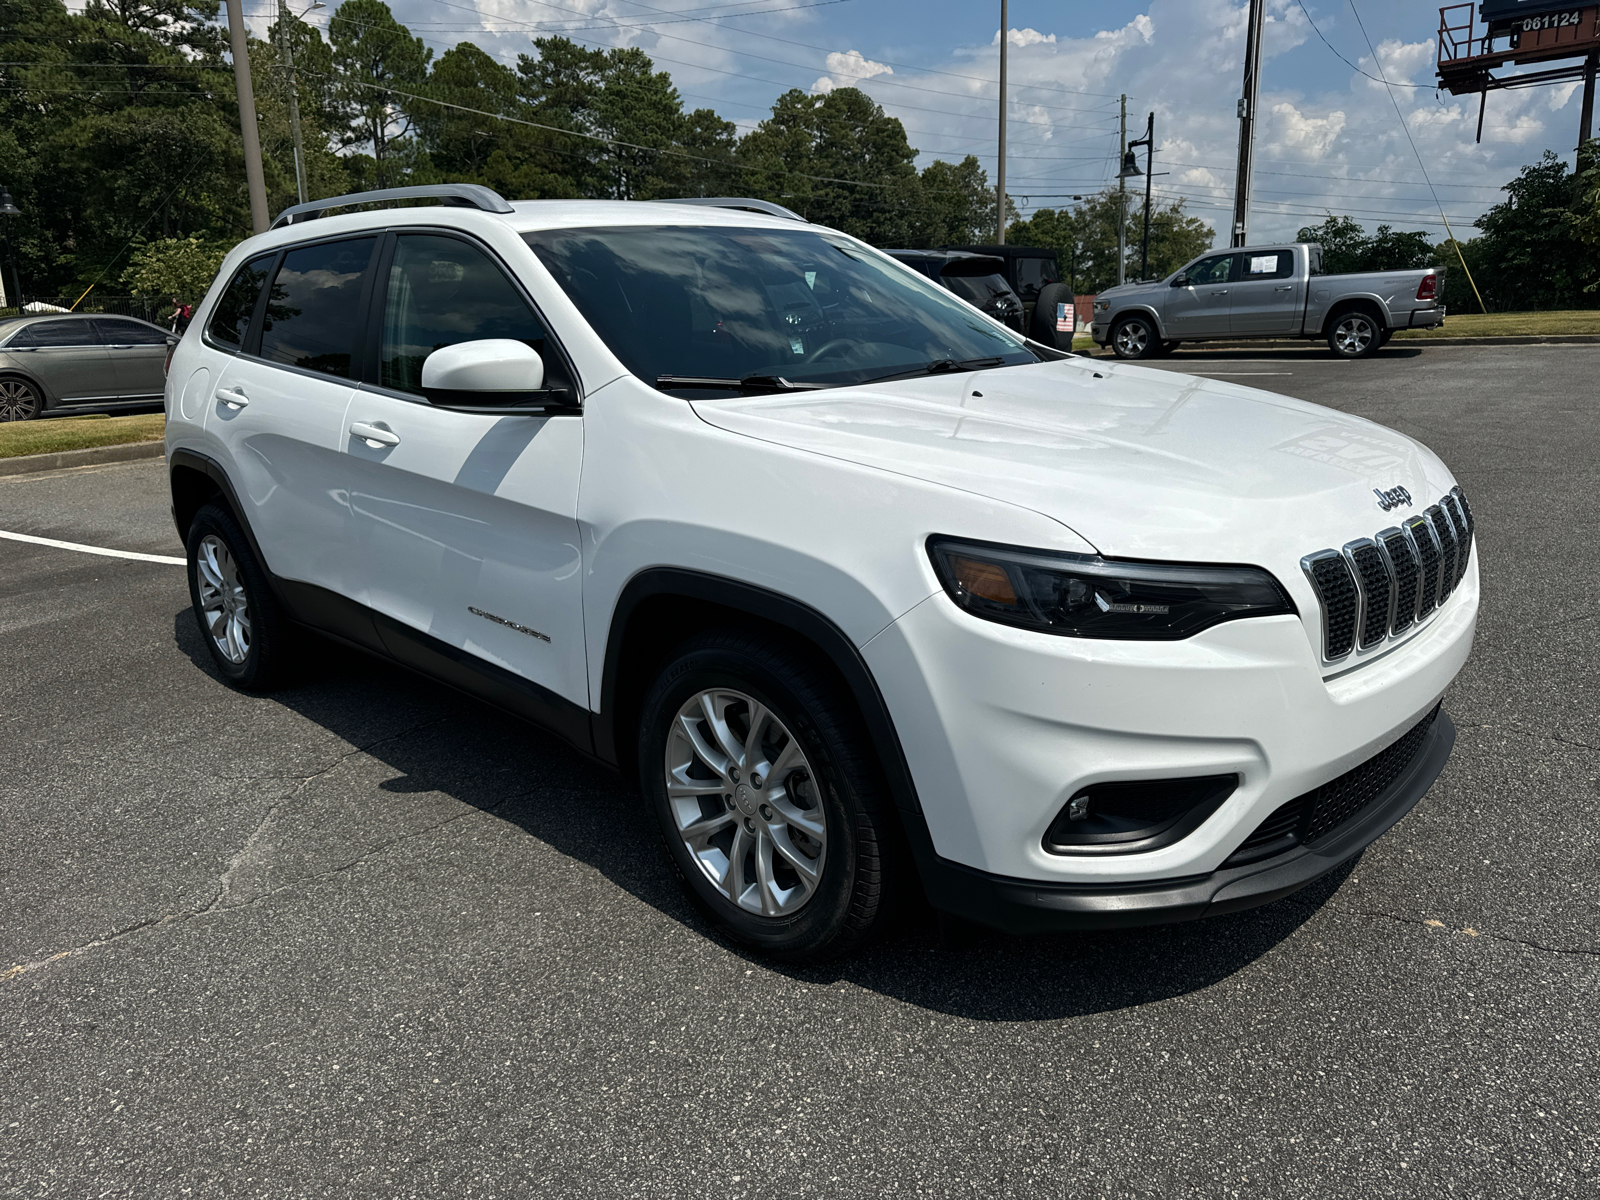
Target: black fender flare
[772, 608]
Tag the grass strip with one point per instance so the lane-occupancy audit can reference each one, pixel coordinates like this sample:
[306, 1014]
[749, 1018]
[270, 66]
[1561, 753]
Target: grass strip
[50, 435]
[1526, 324]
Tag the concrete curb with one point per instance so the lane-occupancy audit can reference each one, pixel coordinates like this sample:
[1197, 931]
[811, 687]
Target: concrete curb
[27, 464]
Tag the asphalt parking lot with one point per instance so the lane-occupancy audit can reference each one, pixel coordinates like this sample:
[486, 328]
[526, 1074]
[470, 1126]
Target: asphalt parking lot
[367, 938]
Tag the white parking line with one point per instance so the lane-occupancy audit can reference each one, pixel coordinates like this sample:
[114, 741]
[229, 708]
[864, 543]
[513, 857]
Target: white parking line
[82, 549]
[1204, 371]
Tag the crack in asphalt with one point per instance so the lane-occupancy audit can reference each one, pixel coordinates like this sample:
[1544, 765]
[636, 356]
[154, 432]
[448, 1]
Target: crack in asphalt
[224, 881]
[1543, 737]
[1433, 923]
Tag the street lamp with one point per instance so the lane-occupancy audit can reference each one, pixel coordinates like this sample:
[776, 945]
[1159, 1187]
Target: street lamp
[294, 97]
[8, 208]
[1130, 166]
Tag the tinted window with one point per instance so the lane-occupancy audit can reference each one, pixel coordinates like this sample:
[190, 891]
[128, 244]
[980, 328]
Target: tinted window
[981, 290]
[314, 308]
[131, 333]
[75, 332]
[1212, 270]
[1034, 273]
[723, 302]
[230, 323]
[1275, 264]
[442, 291]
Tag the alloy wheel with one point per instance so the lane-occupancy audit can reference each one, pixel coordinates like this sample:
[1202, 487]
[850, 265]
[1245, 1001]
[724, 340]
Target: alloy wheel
[1133, 338]
[18, 401]
[1353, 335]
[224, 604]
[746, 802]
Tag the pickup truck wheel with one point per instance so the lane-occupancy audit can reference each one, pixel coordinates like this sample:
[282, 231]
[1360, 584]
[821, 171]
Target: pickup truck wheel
[764, 785]
[1354, 334]
[1134, 337]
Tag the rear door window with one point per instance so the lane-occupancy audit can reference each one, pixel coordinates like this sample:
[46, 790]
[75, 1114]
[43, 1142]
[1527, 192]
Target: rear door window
[130, 333]
[313, 314]
[230, 323]
[1274, 264]
[73, 332]
[1034, 273]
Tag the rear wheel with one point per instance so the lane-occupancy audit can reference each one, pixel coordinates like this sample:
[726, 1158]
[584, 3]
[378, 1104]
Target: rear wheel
[765, 788]
[238, 617]
[1354, 334]
[19, 400]
[1134, 337]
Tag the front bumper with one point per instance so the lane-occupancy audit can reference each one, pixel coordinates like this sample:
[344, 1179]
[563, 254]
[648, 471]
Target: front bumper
[1027, 906]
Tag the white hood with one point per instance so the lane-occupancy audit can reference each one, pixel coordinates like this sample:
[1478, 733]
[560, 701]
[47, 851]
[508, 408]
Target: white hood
[1140, 463]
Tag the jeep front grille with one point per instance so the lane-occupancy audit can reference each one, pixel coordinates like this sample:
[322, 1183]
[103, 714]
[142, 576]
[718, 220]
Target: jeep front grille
[1377, 588]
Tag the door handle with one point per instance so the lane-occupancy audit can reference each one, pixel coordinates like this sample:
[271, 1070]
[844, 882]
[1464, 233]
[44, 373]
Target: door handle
[1223, 292]
[233, 397]
[376, 436]
[1290, 288]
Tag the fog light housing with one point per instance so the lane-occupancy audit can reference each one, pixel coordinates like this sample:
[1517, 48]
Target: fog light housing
[1129, 818]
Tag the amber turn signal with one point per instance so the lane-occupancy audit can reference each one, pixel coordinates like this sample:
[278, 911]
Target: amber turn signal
[983, 579]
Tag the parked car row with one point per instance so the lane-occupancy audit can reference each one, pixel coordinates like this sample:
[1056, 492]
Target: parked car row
[91, 362]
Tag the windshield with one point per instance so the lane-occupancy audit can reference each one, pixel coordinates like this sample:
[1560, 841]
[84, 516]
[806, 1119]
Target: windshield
[796, 306]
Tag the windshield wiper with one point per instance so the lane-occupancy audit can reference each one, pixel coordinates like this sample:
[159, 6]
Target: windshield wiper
[750, 383]
[939, 366]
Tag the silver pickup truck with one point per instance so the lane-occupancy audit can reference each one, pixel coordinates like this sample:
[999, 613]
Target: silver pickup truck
[1266, 292]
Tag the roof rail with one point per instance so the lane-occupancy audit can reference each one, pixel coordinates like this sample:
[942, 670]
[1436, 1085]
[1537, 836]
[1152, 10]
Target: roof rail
[461, 195]
[756, 206]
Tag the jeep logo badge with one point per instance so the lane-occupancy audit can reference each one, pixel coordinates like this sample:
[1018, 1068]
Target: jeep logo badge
[1393, 498]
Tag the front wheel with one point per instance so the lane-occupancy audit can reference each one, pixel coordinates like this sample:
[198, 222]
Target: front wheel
[19, 400]
[1134, 337]
[768, 797]
[1354, 335]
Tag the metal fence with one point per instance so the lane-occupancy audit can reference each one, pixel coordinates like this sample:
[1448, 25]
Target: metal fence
[146, 308]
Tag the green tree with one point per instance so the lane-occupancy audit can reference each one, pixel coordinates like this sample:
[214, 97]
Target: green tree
[1085, 238]
[1526, 259]
[379, 67]
[836, 159]
[1585, 218]
[1347, 248]
[181, 267]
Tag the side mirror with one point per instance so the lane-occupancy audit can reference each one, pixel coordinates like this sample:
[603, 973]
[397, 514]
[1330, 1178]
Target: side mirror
[492, 375]
[1181, 279]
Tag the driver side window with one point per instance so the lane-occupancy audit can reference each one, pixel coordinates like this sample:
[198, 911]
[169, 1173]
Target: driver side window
[441, 291]
[1212, 270]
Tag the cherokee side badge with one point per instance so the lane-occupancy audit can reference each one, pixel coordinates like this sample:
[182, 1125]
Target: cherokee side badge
[1393, 498]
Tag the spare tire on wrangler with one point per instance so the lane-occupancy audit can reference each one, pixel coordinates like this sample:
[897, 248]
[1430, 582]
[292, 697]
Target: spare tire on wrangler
[1054, 308]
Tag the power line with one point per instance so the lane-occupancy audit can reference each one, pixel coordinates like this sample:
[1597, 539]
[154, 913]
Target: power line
[1420, 164]
[1345, 60]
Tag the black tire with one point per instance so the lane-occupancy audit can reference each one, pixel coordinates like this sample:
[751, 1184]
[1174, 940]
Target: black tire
[862, 864]
[19, 399]
[1354, 333]
[266, 660]
[1042, 322]
[1134, 337]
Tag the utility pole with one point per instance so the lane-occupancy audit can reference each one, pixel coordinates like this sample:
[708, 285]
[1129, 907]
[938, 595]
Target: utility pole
[1122, 200]
[1149, 174]
[254, 180]
[1000, 185]
[1247, 121]
[1586, 113]
[285, 41]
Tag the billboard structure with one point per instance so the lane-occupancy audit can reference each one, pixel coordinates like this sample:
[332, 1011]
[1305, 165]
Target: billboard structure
[1477, 39]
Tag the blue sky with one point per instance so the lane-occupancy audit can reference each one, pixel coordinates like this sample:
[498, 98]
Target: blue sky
[1329, 138]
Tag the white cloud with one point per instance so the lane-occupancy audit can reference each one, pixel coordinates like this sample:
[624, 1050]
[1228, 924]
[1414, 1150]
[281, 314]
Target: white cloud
[1023, 37]
[848, 70]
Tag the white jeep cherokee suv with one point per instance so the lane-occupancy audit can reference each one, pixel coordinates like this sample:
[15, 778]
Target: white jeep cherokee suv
[865, 589]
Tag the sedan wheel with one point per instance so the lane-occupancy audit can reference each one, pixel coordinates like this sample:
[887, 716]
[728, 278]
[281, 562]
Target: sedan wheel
[1354, 335]
[18, 401]
[744, 799]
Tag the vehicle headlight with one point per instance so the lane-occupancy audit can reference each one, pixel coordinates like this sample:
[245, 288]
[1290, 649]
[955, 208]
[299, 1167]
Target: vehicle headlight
[1102, 305]
[1077, 595]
